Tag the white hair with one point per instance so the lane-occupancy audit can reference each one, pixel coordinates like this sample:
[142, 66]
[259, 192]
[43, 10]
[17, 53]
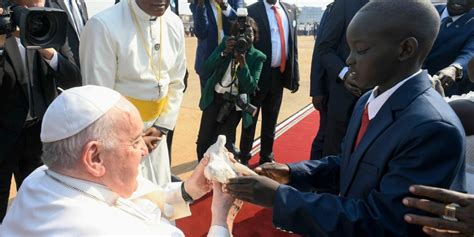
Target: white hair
[66, 153]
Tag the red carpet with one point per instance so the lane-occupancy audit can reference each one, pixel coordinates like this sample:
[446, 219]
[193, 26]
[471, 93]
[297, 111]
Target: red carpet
[253, 221]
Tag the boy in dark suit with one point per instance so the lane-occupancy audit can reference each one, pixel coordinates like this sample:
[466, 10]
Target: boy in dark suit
[401, 133]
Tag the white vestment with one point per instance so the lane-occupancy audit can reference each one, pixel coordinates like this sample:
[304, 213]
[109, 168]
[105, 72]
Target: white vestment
[116, 54]
[51, 204]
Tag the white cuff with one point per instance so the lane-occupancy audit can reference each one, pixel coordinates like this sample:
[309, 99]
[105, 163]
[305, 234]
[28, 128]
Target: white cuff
[218, 231]
[227, 11]
[343, 72]
[53, 63]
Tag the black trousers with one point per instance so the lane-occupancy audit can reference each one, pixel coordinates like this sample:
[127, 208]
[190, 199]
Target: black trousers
[269, 102]
[22, 159]
[210, 129]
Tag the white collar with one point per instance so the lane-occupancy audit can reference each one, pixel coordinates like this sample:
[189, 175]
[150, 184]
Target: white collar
[446, 14]
[376, 102]
[142, 15]
[269, 6]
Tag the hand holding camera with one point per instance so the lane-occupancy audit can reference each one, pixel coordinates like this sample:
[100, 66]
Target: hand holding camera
[229, 46]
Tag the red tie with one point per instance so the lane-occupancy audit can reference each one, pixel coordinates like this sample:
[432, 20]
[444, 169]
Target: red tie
[282, 39]
[363, 126]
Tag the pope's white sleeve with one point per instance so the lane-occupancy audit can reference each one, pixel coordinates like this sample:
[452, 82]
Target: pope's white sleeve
[169, 115]
[168, 197]
[97, 55]
[218, 231]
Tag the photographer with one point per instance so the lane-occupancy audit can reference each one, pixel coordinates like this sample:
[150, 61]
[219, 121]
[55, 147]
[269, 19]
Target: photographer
[235, 67]
[28, 83]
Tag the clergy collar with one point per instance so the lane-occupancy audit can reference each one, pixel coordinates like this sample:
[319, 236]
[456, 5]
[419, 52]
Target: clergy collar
[97, 190]
[142, 15]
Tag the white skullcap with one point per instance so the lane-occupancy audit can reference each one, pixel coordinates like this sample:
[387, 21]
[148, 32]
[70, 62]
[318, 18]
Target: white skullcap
[75, 109]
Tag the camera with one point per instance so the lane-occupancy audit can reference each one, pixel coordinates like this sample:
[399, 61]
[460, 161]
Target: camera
[40, 27]
[230, 102]
[242, 42]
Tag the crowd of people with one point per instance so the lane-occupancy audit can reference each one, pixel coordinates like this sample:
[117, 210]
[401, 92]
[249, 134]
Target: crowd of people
[85, 127]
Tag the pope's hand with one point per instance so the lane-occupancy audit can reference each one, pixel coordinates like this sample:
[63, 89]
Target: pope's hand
[276, 171]
[224, 207]
[258, 190]
[197, 185]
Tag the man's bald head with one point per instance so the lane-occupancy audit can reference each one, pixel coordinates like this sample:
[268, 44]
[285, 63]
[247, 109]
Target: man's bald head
[400, 19]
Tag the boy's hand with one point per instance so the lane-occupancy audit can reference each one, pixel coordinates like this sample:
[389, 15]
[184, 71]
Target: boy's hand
[258, 190]
[276, 171]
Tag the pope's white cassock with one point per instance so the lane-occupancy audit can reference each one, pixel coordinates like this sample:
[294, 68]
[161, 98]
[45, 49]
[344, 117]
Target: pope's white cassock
[51, 204]
[143, 58]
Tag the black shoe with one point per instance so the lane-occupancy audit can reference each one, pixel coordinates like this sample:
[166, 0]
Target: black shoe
[244, 157]
[267, 159]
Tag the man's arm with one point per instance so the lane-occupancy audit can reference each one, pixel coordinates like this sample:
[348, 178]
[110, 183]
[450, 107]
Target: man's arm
[466, 54]
[434, 147]
[168, 117]
[97, 55]
[316, 174]
[66, 73]
[329, 41]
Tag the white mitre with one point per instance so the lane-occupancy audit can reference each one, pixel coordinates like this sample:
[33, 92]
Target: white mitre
[75, 109]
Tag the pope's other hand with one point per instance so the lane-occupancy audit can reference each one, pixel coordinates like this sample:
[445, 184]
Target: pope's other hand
[258, 190]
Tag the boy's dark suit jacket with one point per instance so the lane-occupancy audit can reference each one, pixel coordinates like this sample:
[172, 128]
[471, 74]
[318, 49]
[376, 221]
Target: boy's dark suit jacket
[416, 138]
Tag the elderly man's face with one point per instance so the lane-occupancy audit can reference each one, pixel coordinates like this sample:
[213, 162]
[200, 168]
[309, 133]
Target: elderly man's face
[153, 7]
[122, 161]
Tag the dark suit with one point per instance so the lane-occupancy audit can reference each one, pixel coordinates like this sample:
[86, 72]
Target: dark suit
[72, 35]
[416, 138]
[269, 94]
[20, 146]
[333, 51]
[454, 44]
[319, 87]
[205, 29]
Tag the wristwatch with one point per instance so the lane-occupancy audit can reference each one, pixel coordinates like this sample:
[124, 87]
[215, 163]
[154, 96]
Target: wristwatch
[187, 198]
[459, 72]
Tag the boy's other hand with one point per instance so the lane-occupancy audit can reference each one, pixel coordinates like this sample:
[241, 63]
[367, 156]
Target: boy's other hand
[276, 171]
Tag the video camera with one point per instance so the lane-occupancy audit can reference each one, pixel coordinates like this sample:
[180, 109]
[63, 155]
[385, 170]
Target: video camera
[40, 27]
[242, 44]
[231, 101]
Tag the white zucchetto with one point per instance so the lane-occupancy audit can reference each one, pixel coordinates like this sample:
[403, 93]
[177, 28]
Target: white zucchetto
[75, 109]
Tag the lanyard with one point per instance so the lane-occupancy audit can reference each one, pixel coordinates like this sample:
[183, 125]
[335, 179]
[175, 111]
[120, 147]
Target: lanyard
[147, 49]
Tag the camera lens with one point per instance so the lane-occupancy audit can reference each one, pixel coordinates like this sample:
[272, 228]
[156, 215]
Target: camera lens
[38, 26]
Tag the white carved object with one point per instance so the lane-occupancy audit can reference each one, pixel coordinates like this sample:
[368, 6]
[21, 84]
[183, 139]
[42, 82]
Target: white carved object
[220, 167]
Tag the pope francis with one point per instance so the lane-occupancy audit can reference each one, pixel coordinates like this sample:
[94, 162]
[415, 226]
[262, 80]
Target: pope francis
[92, 144]
[136, 47]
